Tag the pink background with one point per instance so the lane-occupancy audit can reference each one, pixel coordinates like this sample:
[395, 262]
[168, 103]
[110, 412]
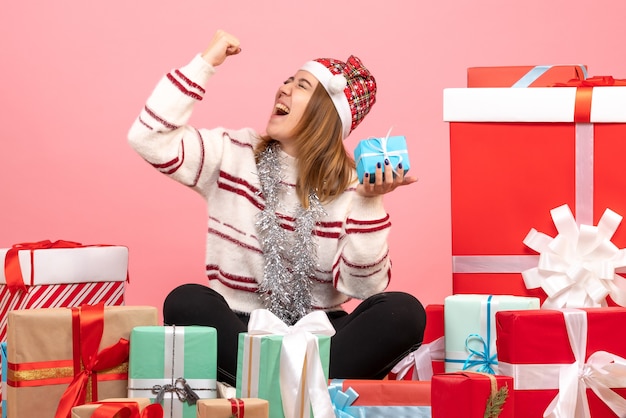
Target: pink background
[76, 73]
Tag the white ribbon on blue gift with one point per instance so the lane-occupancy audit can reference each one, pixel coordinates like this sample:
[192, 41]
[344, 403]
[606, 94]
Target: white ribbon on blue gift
[534, 73]
[600, 372]
[382, 149]
[303, 385]
[344, 408]
[483, 359]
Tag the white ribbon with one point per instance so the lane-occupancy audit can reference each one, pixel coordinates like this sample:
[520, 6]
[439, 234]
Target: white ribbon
[601, 372]
[302, 382]
[422, 359]
[577, 268]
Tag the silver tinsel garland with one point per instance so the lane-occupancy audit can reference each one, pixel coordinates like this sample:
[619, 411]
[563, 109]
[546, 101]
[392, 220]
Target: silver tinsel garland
[286, 286]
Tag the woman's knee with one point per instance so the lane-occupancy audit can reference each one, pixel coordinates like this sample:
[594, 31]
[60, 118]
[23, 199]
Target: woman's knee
[187, 304]
[401, 301]
[407, 311]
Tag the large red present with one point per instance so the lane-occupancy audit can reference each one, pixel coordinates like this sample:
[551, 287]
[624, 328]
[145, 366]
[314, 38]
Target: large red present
[380, 398]
[466, 394]
[568, 361]
[58, 274]
[518, 153]
[524, 75]
[428, 359]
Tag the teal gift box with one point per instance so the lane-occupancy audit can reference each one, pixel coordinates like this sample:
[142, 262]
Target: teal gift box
[369, 152]
[173, 365]
[258, 368]
[470, 329]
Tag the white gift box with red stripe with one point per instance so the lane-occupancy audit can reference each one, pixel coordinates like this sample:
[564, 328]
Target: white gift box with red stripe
[62, 277]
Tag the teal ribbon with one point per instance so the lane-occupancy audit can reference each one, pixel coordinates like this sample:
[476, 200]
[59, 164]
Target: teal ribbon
[342, 405]
[341, 400]
[482, 360]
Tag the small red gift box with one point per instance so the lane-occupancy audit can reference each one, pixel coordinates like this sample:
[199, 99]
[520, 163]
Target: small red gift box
[471, 395]
[429, 358]
[517, 153]
[524, 75]
[557, 354]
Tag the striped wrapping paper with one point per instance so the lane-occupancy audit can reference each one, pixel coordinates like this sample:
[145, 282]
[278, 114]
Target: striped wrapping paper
[66, 277]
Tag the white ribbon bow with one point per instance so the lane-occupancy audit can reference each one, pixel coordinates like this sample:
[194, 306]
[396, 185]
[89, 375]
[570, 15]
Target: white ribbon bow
[577, 268]
[601, 372]
[302, 382]
[422, 359]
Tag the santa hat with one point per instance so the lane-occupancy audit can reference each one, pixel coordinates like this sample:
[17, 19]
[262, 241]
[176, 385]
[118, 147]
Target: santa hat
[350, 86]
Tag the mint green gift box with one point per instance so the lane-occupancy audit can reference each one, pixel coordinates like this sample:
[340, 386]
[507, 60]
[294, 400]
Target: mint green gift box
[470, 329]
[172, 360]
[258, 368]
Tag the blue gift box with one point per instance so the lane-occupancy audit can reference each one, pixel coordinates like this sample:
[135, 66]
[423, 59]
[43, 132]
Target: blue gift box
[3, 355]
[369, 152]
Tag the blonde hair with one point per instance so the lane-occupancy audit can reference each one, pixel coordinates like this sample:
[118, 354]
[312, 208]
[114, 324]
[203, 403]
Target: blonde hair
[324, 165]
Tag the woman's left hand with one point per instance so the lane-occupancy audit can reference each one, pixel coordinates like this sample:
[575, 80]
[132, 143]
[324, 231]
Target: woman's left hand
[385, 181]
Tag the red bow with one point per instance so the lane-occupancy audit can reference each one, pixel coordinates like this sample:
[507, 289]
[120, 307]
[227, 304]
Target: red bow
[237, 407]
[127, 410]
[597, 81]
[87, 330]
[584, 92]
[12, 268]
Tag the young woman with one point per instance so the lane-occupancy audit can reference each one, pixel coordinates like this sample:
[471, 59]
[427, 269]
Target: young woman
[290, 228]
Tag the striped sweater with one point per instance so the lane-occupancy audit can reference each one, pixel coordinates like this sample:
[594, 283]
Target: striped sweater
[353, 259]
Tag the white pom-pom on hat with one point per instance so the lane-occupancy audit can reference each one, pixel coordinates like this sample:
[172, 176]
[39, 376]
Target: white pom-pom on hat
[337, 84]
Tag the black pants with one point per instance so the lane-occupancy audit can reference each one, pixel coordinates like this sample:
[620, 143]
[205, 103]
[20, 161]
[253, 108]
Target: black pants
[367, 344]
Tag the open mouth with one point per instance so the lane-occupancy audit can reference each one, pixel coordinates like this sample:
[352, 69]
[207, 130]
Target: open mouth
[280, 109]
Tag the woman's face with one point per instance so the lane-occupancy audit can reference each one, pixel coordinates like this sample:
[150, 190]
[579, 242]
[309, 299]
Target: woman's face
[291, 100]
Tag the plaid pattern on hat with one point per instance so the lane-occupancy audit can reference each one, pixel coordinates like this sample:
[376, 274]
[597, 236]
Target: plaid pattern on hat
[360, 88]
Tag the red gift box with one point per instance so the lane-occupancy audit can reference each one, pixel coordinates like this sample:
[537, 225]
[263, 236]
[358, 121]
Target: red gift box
[540, 352]
[467, 394]
[515, 155]
[429, 358]
[60, 274]
[524, 75]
